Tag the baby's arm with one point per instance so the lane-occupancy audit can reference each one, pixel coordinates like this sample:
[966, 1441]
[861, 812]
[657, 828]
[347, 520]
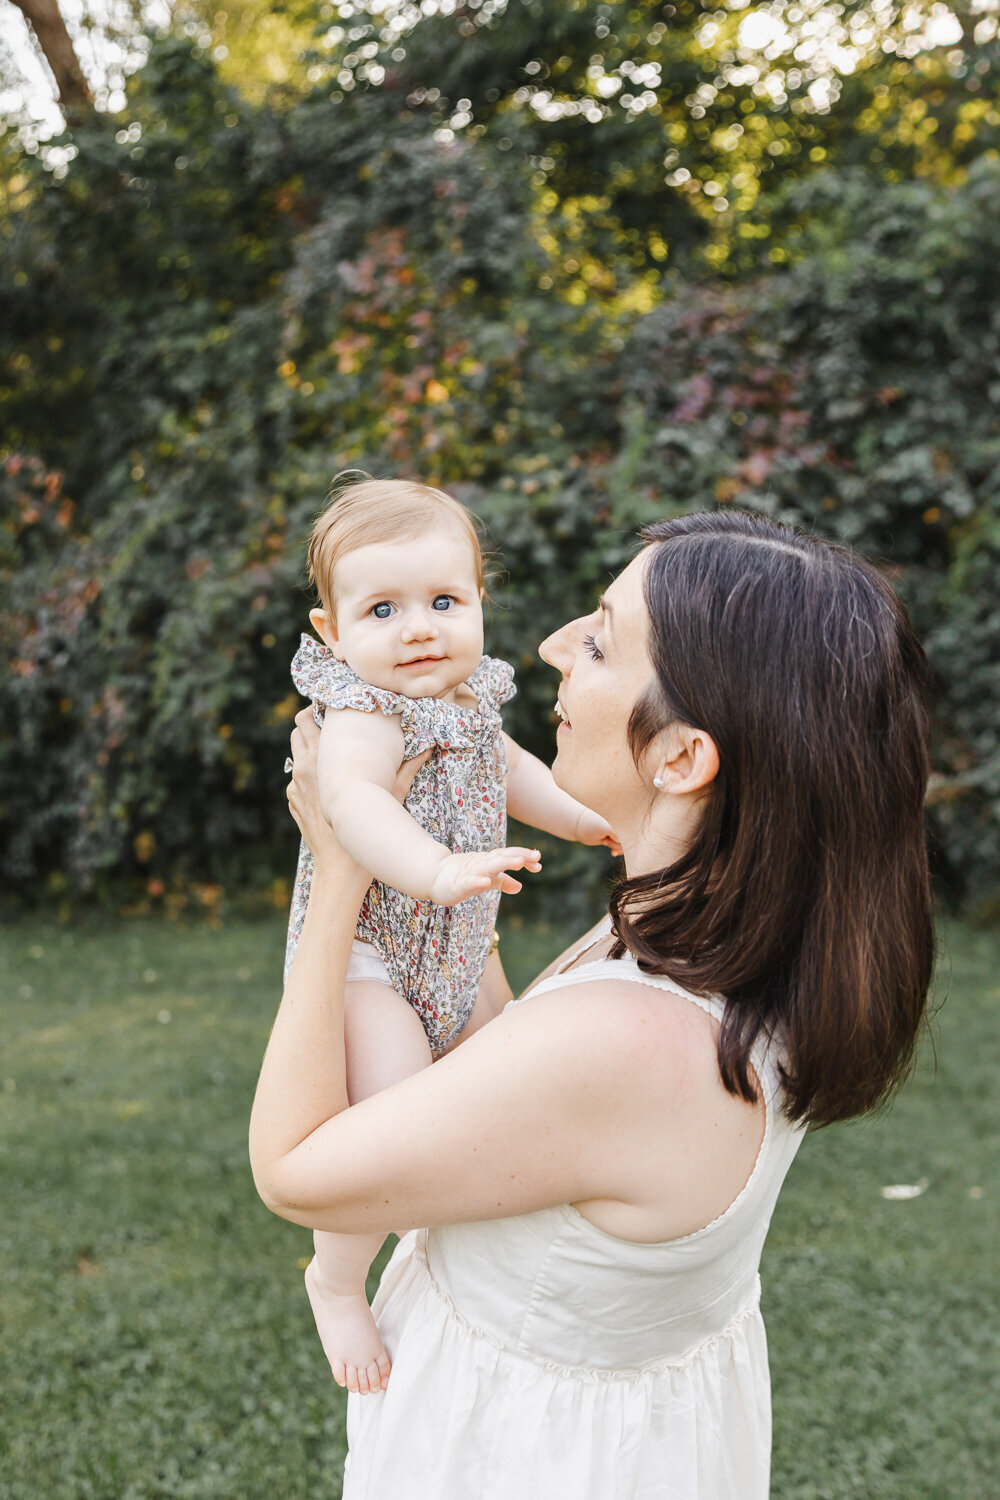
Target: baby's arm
[534, 798]
[359, 757]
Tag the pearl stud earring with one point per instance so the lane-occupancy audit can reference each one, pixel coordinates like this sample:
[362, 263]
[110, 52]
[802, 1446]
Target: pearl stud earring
[658, 782]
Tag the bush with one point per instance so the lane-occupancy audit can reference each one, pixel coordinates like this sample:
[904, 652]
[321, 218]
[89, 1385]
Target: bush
[289, 295]
[214, 311]
[857, 396]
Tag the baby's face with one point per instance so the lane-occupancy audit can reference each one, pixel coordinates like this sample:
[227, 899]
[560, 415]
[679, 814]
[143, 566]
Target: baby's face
[409, 615]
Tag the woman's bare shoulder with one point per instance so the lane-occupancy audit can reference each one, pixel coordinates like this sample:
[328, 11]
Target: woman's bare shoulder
[615, 1015]
[610, 1030]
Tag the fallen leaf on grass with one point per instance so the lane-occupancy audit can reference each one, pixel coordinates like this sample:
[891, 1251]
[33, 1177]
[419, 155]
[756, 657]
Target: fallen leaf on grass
[901, 1190]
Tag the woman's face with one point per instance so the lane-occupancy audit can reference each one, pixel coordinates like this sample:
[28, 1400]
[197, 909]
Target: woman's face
[605, 668]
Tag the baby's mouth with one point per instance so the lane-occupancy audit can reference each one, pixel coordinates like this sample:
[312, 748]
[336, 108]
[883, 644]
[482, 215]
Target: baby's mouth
[422, 661]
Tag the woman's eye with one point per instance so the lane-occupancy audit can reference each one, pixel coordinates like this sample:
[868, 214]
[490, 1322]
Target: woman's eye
[443, 601]
[382, 611]
[592, 648]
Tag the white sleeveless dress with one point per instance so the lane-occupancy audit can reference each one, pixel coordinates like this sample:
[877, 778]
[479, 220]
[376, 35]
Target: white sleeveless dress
[540, 1358]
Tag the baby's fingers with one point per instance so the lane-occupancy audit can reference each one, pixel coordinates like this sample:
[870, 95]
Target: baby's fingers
[482, 872]
[511, 859]
[518, 859]
[500, 861]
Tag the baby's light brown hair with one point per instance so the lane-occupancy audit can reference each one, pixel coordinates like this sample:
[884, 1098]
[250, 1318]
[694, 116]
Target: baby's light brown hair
[382, 510]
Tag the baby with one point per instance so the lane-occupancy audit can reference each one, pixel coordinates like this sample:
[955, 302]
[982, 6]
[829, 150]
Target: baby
[399, 573]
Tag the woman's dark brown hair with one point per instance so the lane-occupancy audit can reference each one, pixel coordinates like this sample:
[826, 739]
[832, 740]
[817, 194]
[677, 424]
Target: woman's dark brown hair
[804, 897]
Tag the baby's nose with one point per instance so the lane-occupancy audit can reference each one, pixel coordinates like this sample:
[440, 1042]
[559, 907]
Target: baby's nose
[419, 625]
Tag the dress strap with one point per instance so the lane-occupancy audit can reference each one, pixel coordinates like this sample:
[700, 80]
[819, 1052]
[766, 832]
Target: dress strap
[601, 929]
[626, 968]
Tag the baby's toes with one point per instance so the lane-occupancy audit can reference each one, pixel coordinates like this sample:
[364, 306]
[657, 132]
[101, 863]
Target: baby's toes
[339, 1371]
[384, 1364]
[351, 1380]
[374, 1378]
[362, 1380]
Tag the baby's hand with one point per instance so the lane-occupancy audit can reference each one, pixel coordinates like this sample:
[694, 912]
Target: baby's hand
[460, 876]
[592, 829]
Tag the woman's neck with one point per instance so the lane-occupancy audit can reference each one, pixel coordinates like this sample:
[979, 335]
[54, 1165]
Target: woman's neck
[657, 837]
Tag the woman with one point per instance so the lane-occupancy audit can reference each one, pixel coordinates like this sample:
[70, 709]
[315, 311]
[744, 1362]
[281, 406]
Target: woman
[599, 1164]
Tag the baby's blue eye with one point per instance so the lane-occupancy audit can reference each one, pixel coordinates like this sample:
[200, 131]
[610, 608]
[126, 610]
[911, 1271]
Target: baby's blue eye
[382, 611]
[443, 601]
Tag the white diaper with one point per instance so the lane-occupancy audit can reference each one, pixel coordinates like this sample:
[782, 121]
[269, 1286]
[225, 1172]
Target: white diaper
[366, 962]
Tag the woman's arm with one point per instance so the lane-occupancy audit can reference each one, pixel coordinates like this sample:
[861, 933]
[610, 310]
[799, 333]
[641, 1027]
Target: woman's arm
[526, 1114]
[303, 1078]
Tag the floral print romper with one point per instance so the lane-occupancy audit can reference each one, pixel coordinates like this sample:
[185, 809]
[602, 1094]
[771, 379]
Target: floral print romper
[434, 955]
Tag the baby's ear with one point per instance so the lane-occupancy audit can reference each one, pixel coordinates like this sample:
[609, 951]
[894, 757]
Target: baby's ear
[326, 629]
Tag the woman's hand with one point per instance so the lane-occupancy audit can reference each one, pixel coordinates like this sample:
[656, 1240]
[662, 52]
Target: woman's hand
[303, 788]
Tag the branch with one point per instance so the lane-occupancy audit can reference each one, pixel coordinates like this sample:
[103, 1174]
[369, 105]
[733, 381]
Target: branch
[49, 30]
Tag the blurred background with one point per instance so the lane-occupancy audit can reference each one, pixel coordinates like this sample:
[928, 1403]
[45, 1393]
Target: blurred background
[583, 265]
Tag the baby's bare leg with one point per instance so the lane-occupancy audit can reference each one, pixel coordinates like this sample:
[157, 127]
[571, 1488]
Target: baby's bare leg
[385, 1042]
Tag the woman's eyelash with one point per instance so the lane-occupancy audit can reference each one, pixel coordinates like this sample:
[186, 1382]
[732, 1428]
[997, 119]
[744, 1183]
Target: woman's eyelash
[592, 647]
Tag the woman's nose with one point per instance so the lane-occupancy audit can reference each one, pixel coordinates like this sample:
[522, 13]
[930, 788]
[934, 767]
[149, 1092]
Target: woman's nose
[557, 649]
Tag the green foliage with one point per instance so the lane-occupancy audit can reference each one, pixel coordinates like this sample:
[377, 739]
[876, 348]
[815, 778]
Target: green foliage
[665, 130]
[221, 303]
[858, 396]
[291, 294]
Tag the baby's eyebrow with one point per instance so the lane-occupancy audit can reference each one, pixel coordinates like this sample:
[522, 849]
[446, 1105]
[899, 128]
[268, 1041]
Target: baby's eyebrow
[382, 597]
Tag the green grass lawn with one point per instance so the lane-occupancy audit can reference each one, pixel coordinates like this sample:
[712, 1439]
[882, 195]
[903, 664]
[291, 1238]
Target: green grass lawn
[156, 1340]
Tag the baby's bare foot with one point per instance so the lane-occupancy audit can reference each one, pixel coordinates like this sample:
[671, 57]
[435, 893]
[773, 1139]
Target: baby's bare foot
[348, 1334]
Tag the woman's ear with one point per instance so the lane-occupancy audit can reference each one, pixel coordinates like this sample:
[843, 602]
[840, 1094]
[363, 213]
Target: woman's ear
[687, 760]
[326, 629]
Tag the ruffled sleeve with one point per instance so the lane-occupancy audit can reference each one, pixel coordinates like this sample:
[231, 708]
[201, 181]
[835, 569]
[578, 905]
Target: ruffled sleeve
[493, 682]
[319, 675]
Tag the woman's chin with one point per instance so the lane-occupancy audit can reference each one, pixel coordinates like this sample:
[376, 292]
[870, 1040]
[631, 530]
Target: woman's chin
[561, 774]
